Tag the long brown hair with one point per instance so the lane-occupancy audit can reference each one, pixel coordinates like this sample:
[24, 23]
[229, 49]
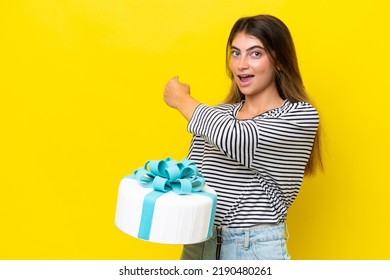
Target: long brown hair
[278, 43]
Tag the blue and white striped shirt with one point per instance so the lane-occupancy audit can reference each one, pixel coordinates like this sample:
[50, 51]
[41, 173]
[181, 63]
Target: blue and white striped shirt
[256, 165]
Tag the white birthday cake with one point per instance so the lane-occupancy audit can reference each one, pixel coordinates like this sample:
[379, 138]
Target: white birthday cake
[166, 202]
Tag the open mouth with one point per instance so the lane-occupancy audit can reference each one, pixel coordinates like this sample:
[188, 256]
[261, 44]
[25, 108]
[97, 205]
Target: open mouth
[245, 78]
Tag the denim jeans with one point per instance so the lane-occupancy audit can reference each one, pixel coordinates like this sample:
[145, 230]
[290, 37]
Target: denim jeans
[263, 242]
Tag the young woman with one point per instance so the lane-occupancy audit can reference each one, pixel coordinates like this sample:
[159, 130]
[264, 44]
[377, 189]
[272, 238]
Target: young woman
[255, 149]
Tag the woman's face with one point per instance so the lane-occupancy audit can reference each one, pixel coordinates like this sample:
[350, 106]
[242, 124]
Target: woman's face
[251, 65]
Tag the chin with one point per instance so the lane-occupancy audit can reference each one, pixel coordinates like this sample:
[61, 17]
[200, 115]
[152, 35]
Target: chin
[246, 92]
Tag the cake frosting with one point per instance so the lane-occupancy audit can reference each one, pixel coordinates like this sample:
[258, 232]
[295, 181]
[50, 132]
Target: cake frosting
[166, 207]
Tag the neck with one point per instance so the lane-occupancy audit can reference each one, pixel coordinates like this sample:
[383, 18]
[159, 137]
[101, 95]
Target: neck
[257, 104]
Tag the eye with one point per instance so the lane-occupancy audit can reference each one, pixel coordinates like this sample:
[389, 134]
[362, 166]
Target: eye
[235, 53]
[256, 54]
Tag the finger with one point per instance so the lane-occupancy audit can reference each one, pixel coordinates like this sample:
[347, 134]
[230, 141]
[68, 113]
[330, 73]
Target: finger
[174, 78]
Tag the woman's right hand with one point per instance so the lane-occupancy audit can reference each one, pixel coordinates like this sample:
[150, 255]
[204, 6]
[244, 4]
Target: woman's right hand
[177, 95]
[174, 91]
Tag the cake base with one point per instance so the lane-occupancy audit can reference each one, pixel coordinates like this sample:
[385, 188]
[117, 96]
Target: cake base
[176, 219]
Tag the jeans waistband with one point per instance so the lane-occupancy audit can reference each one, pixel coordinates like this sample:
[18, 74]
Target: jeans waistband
[264, 232]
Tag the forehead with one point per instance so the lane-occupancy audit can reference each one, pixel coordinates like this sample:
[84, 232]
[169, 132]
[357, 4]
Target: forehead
[243, 41]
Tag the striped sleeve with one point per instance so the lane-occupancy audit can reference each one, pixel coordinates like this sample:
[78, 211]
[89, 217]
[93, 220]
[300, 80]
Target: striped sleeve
[237, 139]
[285, 140]
[285, 144]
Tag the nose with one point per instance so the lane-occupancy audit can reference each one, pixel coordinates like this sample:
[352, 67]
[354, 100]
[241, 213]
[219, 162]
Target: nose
[243, 64]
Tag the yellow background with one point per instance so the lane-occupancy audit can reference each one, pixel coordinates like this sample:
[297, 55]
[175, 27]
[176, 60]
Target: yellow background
[81, 106]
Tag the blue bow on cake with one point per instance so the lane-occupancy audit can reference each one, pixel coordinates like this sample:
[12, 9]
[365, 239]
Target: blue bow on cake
[166, 175]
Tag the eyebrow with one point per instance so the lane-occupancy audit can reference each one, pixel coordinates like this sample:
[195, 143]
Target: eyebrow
[249, 49]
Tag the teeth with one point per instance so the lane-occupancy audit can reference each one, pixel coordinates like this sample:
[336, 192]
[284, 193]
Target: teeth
[245, 76]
